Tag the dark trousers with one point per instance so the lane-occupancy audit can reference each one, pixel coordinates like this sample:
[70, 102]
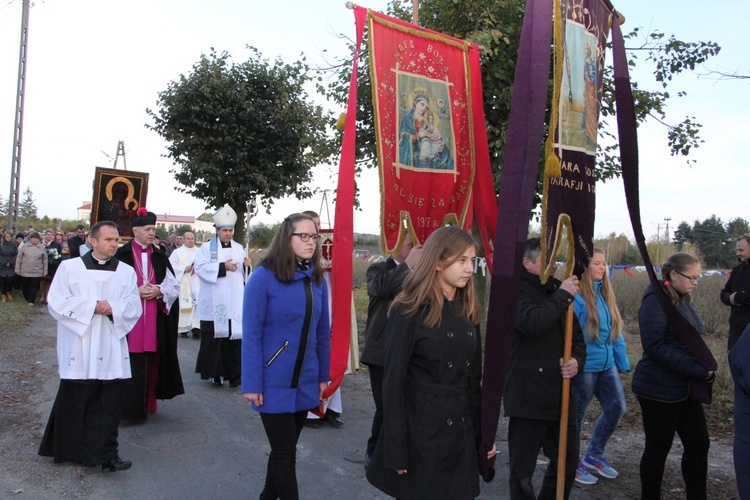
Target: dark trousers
[30, 288]
[283, 430]
[376, 383]
[83, 423]
[218, 357]
[525, 438]
[660, 422]
[139, 391]
[6, 284]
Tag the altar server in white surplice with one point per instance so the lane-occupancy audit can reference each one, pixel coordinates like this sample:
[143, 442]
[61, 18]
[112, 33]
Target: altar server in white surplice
[222, 265]
[182, 260]
[95, 301]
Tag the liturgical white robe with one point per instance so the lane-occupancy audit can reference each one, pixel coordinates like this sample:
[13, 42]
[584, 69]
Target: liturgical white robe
[93, 346]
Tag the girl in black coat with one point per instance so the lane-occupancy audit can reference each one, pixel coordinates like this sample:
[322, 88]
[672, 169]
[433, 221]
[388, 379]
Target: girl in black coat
[427, 448]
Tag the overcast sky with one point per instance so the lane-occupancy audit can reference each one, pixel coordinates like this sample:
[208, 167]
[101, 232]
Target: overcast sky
[95, 66]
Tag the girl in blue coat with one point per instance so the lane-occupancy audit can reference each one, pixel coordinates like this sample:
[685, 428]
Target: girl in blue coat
[286, 345]
[606, 357]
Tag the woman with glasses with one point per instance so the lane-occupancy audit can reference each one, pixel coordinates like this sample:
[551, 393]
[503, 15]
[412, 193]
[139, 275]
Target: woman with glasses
[286, 345]
[664, 380]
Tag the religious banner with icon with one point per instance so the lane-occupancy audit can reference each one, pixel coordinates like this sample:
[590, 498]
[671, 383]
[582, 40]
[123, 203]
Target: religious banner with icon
[568, 198]
[117, 196]
[326, 248]
[426, 110]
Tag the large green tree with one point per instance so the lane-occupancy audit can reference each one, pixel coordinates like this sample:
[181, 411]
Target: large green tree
[713, 239]
[496, 25]
[242, 133]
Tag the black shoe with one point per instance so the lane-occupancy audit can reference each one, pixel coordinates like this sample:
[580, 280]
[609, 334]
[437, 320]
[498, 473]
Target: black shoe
[196, 333]
[332, 418]
[312, 423]
[217, 381]
[116, 464]
[235, 382]
[183, 334]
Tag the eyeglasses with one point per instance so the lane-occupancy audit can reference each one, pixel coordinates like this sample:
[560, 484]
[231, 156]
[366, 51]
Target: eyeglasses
[691, 279]
[306, 237]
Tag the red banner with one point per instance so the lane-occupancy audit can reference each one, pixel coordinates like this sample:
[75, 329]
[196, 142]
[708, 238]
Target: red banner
[425, 113]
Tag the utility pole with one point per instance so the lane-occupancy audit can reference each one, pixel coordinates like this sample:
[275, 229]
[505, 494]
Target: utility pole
[667, 219]
[658, 243]
[15, 171]
[120, 152]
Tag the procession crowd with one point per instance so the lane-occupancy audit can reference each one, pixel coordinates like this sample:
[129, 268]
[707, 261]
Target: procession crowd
[121, 309]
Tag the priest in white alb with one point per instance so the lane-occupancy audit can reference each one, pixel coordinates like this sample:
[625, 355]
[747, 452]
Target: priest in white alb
[95, 300]
[182, 260]
[222, 265]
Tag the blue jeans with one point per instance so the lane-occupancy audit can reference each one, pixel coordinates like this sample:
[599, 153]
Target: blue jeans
[607, 388]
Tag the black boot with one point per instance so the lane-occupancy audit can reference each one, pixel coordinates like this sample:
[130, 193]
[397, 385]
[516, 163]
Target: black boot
[117, 464]
[332, 418]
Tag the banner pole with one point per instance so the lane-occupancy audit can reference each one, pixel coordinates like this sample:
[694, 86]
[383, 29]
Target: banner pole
[563, 442]
[415, 13]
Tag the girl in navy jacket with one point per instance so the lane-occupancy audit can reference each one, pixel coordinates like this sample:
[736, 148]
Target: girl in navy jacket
[663, 380]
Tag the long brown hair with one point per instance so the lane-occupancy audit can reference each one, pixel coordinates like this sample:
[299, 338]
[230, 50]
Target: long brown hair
[679, 263]
[422, 287]
[589, 298]
[281, 259]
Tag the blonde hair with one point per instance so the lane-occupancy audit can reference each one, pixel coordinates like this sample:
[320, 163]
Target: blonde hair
[590, 299]
[422, 287]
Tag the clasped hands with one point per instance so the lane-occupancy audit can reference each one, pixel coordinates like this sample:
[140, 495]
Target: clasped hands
[103, 307]
[149, 291]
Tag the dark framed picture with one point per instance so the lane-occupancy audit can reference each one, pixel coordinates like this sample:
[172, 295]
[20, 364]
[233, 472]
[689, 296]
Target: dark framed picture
[117, 196]
[326, 247]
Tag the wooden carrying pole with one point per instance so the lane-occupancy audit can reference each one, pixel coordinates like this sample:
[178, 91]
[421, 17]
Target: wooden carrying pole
[563, 442]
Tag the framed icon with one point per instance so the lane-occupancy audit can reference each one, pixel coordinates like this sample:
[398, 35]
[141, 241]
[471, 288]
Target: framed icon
[117, 196]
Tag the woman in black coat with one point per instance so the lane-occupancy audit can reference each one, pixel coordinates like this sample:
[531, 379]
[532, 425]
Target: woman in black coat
[8, 253]
[427, 447]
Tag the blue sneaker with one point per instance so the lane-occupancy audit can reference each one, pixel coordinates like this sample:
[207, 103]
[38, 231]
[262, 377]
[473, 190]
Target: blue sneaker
[599, 465]
[585, 477]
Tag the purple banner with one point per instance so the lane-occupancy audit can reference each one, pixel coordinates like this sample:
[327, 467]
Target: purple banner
[569, 200]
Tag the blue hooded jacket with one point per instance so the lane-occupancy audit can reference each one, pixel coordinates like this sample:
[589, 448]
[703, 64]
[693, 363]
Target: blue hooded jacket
[602, 353]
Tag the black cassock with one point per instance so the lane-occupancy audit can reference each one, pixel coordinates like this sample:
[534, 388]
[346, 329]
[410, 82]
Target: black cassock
[167, 369]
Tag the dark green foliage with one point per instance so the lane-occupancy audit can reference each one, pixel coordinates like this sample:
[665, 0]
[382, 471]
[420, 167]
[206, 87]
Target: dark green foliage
[27, 207]
[241, 133]
[260, 234]
[683, 234]
[715, 241]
